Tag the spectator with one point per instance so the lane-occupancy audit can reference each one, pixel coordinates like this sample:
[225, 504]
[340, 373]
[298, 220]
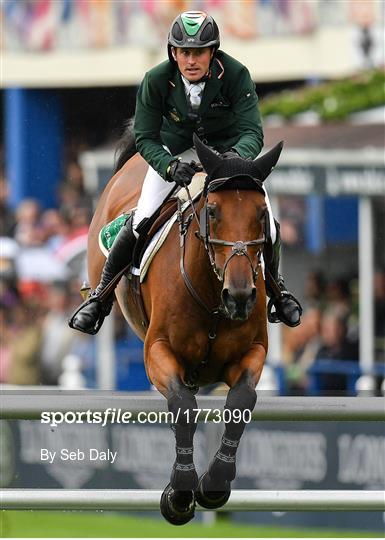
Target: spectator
[74, 176]
[54, 228]
[8, 279]
[78, 220]
[24, 344]
[72, 191]
[338, 296]
[69, 197]
[57, 337]
[28, 231]
[7, 216]
[308, 342]
[336, 346]
[315, 289]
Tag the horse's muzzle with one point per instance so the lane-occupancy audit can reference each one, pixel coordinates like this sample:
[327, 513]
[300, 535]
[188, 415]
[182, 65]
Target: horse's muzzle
[239, 302]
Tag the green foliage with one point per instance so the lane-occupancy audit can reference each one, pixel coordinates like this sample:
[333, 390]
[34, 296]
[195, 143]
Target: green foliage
[333, 100]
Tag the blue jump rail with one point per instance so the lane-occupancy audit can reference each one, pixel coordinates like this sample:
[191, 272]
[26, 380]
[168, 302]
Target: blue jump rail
[351, 369]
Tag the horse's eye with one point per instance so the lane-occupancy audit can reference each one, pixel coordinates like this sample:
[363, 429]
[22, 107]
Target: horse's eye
[211, 210]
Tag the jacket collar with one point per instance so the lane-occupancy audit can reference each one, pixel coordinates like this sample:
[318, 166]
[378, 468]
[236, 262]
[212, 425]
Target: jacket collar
[178, 92]
[212, 87]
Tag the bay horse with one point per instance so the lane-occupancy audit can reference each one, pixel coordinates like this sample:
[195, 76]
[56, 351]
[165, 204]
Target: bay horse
[205, 301]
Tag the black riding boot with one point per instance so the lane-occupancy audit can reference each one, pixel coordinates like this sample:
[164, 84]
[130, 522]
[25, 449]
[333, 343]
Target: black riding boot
[287, 308]
[89, 317]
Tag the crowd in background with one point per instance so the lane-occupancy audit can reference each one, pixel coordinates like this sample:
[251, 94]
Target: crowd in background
[41, 275]
[329, 331]
[48, 24]
[74, 24]
[38, 285]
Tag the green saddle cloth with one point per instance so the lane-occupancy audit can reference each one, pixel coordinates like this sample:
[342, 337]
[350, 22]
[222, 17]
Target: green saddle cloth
[110, 231]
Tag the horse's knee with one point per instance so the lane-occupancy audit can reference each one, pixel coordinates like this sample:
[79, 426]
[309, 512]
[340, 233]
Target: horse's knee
[181, 403]
[242, 395]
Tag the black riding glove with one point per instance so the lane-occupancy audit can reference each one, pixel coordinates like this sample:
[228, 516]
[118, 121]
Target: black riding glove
[181, 172]
[232, 153]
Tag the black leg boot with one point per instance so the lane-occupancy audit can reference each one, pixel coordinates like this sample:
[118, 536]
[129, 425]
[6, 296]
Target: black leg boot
[89, 317]
[287, 308]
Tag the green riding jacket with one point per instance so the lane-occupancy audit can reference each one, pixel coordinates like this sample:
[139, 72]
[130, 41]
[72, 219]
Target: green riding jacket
[228, 116]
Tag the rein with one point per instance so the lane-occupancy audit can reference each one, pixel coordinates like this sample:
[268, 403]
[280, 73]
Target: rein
[214, 314]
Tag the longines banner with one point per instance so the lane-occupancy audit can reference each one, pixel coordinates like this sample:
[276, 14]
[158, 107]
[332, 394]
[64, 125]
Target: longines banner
[283, 455]
[329, 180]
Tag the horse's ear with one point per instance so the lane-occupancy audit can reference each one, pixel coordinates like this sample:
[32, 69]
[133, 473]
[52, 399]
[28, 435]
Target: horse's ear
[262, 166]
[208, 158]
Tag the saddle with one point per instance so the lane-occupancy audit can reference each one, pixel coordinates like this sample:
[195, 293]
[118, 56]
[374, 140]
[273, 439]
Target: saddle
[150, 227]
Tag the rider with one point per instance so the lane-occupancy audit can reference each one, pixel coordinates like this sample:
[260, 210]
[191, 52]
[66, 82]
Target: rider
[198, 89]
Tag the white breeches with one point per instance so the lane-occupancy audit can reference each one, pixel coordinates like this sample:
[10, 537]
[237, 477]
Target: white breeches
[155, 190]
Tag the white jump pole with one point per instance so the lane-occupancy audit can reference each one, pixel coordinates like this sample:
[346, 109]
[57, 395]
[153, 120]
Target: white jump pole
[366, 300]
[240, 500]
[105, 355]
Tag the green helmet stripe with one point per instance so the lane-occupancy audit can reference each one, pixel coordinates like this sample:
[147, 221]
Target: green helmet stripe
[192, 24]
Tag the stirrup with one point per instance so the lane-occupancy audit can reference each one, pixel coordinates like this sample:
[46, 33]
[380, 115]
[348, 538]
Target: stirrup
[104, 310]
[273, 316]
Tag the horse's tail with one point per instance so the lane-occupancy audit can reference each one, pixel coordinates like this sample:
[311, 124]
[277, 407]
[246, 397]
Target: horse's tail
[126, 147]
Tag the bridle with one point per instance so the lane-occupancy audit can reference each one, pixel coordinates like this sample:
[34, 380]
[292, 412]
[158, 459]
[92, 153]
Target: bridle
[240, 247]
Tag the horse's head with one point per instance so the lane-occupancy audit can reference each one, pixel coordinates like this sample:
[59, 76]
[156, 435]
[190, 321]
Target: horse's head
[234, 223]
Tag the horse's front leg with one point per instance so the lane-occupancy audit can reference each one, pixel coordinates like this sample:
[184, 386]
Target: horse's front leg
[182, 404]
[215, 485]
[178, 499]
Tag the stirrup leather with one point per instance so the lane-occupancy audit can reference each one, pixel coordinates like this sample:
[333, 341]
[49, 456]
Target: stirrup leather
[104, 306]
[273, 316]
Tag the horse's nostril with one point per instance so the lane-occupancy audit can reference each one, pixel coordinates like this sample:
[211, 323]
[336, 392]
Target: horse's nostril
[239, 300]
[228, 299]
[225, 295]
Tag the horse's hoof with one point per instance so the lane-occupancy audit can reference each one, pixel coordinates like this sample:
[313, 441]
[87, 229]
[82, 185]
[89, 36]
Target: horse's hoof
[177, 507]
[212, 499]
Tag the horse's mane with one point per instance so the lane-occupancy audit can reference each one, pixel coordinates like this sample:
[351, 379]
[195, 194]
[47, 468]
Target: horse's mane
[126, 147]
